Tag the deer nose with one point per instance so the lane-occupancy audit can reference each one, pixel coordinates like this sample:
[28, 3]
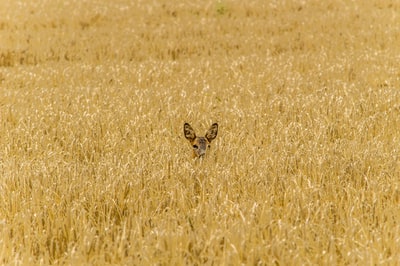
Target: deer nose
[201, 153]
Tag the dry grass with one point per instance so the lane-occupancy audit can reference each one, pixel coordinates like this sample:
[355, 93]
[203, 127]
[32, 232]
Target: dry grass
[95, 168]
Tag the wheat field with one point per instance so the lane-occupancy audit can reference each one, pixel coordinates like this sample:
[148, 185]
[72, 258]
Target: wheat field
[95, 168]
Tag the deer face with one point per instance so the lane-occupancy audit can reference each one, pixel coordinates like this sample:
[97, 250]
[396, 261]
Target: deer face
[200, 144]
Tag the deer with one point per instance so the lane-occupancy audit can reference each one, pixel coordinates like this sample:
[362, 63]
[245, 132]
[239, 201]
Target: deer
[200, 144]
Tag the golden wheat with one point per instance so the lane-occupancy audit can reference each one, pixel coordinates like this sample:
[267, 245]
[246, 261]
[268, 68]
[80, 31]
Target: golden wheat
[95, 168]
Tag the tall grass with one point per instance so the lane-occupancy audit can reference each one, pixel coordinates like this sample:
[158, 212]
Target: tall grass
[95, 168]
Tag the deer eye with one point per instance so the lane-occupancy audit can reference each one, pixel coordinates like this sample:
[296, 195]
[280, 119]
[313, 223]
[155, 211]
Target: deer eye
[208, 146]
[195, 146]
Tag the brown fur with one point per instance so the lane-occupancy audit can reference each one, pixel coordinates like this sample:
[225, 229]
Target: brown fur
[200, 144]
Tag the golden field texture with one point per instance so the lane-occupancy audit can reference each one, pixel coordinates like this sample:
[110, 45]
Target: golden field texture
[95, 168]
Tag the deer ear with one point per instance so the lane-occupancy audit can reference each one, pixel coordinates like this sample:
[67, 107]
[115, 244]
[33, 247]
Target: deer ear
[189, 132]
[212, 132]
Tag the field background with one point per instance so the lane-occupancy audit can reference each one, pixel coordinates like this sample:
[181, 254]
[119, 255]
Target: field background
[95, 168]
